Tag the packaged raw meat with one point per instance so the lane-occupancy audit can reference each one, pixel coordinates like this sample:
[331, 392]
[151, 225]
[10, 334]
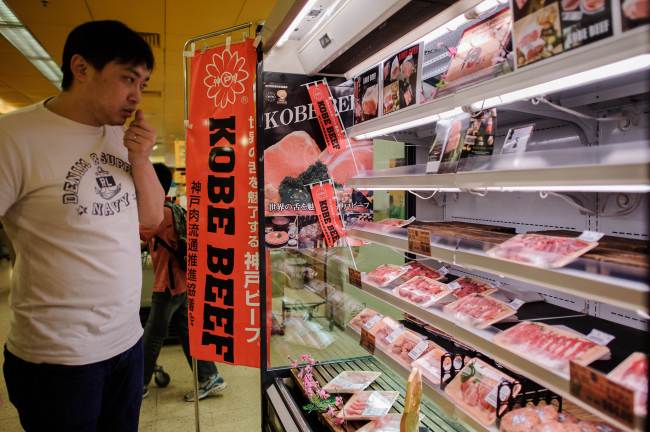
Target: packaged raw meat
[549, 346]
[386, 331]
[467, 285]
[367, 319]
[519, 420]
[541, 250]
[549, 427]
[408, 347]
[429, 364]
[416, 269]
[394, 222]
[351, 381]
[633, 373]
[524, 419]
[475, 388]
[479, 310]
[387, 423]
[384, 274]
[368, 405]
[422, 291]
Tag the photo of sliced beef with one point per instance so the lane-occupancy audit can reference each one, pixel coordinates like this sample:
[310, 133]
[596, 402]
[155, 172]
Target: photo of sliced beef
[340, 166]
[304, 152]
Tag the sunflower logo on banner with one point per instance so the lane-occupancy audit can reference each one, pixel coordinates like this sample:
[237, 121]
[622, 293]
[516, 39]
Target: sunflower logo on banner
[225, 78]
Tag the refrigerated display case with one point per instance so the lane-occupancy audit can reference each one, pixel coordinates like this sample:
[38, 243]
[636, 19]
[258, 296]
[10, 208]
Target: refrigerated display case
[518, 282]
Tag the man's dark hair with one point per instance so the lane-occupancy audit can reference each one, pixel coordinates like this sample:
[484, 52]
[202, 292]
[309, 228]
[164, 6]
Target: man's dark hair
[164, 175]
[100, 42]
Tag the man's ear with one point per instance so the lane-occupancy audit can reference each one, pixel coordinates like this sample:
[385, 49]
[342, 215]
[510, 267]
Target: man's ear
[80, 68]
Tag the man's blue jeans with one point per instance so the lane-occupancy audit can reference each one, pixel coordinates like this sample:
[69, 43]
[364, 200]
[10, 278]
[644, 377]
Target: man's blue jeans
[103, 396]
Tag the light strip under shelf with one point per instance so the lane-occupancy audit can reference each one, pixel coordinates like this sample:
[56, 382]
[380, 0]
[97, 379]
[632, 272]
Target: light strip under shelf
[633, 188]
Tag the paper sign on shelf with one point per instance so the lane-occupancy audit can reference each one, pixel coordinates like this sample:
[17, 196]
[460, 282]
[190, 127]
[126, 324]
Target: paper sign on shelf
[367, 341]
[600, 337]
[328, 117]
[354, 277]
[591, 236]
[595, 389]
[419, 241]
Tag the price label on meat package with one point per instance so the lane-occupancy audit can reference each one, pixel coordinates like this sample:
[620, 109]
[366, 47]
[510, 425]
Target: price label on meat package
[417, 351]
[395, 333]
[607, 396]
[372, 321]
[419, 241]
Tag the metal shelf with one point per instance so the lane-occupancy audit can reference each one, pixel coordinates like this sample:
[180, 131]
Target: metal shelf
[481, 340]
[568, 177]
[577, 278]
[432, 391]
[610, 50]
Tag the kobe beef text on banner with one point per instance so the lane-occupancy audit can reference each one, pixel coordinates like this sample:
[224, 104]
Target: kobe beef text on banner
[222, 243]
[328, 117]
[328, 212]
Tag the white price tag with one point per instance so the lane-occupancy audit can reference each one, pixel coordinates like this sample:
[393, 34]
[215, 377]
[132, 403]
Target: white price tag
[443, 270]
[372, 321]
[591, 236]
[394, 334]
[378, 405]
[454, 285]
[516, 303]
[417, 351]
[600, 337]
[491, 397]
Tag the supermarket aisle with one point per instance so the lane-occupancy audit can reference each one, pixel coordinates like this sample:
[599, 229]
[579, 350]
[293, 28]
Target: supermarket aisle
[164, 410]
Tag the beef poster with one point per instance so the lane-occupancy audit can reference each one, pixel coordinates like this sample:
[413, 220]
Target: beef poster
[400, 79]
[482, 52]
[634, 13]
[222, 220]
[438, 54]
[537, 30]
[584, 22]
[296, 155]
[366, 95]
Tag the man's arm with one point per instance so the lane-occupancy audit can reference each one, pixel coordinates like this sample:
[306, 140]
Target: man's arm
[139, 139]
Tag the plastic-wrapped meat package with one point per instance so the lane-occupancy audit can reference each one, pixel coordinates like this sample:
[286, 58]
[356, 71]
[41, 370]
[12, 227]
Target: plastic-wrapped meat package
[429, 364]
[351, 381]
[474, 389]
[633, 373]
[479, 310]
[408, 347]
[416, 269]
[541, 250]
[525, 419]
[386, 331]
[387, 423]
[467, 285]
[422, 291]
[385, 274]
[367, 319]
[549, 346]
[368, 405]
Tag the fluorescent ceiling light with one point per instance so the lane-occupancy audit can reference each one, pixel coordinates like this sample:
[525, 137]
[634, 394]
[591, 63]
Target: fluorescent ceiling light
[287, 33]
[322, 19]
[609, 71]
[23, 40]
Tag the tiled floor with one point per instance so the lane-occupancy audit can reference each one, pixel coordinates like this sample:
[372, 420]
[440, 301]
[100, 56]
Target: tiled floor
[237, 408]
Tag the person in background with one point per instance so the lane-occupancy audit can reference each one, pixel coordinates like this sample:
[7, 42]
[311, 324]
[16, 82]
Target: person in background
[75, 185]
[169, 298]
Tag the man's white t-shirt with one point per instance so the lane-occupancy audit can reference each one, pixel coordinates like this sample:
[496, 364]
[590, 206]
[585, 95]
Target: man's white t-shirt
[68, 204]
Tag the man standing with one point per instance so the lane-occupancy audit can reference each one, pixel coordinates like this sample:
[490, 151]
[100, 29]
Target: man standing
[74, 185]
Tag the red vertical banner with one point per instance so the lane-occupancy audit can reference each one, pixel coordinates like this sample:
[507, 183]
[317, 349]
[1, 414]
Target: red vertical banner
[328, 212]
[328, 117]
[223, 276]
